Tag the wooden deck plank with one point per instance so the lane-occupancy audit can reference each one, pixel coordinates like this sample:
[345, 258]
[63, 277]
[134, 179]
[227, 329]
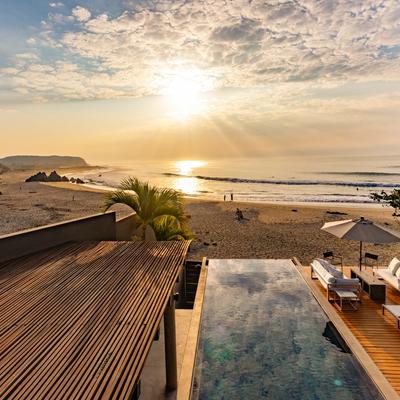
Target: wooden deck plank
[377, 333]
[77, 321]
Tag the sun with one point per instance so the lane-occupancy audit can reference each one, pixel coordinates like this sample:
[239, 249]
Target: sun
[184, 93]
[184, 97]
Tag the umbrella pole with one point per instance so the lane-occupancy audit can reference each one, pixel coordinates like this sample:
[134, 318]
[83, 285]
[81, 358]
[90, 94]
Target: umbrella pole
[360, 254]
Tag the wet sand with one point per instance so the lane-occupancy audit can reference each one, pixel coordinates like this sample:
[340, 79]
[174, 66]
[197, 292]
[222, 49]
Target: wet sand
[268, 231]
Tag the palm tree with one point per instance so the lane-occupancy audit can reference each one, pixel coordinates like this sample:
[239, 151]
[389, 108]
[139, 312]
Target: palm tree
[151, 205]
[168, 228]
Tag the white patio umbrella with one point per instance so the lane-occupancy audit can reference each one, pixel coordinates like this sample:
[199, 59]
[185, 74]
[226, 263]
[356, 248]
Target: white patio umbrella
[362, 230]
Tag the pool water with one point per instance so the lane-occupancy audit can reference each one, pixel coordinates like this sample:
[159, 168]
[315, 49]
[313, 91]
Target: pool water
[264, 336]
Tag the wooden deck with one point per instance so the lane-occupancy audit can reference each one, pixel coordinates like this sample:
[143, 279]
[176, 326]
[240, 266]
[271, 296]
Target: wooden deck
[377, 333]
[78, 321]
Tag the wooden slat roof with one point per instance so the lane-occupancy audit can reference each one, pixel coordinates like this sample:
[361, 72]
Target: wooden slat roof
[77, 321]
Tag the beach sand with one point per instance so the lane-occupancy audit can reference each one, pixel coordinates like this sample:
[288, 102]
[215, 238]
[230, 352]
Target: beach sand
[269, 230]
[28, 205]
[279, 231]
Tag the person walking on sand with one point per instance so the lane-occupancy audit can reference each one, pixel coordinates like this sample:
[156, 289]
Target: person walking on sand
[231, 196]
[224, 197]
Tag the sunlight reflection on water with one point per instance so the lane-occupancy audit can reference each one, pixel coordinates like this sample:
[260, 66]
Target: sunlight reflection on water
[186, 185]
[186, 167]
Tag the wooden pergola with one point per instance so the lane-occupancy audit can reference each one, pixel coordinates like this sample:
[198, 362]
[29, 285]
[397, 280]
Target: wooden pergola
[77, 321]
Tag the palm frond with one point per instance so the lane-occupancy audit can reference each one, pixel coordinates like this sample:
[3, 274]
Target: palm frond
[162, 209]
[169, 228]
[121, 197]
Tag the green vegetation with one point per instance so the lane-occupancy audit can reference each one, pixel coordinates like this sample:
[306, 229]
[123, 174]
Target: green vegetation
[168, 228]
[391, 199]
[159, 212]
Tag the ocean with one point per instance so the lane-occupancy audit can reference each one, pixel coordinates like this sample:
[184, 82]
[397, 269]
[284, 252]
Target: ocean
[335, 179]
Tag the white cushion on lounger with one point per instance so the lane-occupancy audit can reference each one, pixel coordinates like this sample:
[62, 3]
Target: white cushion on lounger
[328, 278]
[389, 278]
[320, 270]
[394, 265]
[345, 281]
[397, 274]
[330, 268]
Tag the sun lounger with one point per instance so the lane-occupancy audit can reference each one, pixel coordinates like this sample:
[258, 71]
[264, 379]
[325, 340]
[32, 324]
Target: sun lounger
[391, 274]
[332, 279]
[394, 309]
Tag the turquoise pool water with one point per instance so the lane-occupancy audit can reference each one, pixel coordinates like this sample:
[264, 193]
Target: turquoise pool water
[264, 336]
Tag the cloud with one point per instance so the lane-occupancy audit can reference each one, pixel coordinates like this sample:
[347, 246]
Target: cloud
[56, 5]
[26, 56]
[56, 19]
[81, 14]
[235, 44]
[246, 31]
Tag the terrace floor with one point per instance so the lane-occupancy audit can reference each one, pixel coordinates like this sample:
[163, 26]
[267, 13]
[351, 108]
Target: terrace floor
[153, 377]
[378, 334]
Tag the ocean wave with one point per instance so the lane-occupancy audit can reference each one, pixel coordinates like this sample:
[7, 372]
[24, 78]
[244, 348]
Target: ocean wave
[355, 173]
[287, 182]
[335, 200]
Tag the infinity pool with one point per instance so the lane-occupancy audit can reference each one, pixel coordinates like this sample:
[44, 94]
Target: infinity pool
[264, 336]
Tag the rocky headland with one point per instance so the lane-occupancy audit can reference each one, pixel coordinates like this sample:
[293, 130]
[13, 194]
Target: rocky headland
[52, 177]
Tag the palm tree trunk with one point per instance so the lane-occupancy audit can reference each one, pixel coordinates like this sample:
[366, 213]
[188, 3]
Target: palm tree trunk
[144, 232]
[150, 235]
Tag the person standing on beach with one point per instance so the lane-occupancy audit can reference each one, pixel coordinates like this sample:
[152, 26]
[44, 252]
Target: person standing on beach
[224, 197]
[231, 196]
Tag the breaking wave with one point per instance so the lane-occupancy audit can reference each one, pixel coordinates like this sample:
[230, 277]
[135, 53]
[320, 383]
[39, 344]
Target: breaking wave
[365, 174]
[288, 181]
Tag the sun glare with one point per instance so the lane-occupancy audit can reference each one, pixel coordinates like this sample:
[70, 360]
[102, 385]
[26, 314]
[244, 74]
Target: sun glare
[186, 183]
[184, 92]
[186, 167]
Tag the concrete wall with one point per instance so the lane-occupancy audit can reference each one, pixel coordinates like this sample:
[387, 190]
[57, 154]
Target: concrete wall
[125, 227]
[95, 227]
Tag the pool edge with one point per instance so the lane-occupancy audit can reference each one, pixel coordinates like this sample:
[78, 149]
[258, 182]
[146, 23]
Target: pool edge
[189, 359]
[375, 374]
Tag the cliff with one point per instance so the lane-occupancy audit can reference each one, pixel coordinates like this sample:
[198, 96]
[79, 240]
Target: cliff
[26, 162]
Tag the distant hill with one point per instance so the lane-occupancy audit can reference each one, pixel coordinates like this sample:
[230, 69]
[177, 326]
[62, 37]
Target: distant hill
[26, 162]
[3, 169]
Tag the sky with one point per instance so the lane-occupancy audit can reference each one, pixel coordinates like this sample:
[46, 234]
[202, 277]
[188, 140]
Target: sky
[130, 79]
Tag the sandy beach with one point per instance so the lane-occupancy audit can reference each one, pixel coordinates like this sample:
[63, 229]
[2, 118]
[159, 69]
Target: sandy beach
[279, 231]
[268, 231]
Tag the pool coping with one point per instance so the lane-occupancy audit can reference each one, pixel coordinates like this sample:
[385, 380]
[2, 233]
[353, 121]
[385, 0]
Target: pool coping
[189, 359]
[358, 351]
